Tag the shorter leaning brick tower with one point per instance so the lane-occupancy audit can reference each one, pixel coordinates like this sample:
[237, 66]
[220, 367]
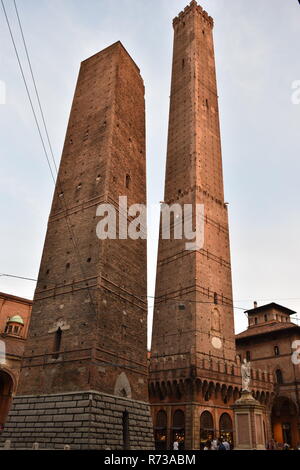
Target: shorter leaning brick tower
[84, 375]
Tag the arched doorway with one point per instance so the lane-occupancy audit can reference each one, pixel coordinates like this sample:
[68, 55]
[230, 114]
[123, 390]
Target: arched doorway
[207, 429]
[161, 431]
[6, 389]
[285, 422]
[226, 428]
[178, 428]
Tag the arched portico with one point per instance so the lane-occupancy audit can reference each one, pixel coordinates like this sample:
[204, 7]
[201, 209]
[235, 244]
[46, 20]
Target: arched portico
[285, 421]
[6, 391]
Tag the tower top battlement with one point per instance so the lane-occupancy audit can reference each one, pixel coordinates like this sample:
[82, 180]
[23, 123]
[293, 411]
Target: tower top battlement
[193, 7]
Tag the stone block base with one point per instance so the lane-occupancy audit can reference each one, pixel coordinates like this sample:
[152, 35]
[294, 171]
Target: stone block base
[83, 420]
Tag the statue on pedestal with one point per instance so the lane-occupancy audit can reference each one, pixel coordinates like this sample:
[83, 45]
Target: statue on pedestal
[246, 375]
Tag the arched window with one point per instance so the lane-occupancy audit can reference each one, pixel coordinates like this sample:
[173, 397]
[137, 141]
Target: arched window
[160, 431]
[276, 350]
[178, 428]
[279, 377]
[226, 428]
[207, 430]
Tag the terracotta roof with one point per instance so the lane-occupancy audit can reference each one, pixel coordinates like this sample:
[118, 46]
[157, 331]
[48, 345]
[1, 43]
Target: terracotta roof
[15, 298]
[270, 306]
[267, 328]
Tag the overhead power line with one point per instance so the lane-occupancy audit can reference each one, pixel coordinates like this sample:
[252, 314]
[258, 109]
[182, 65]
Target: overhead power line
[177, 301]
[27, 90]
[35, 86]
[55, 181]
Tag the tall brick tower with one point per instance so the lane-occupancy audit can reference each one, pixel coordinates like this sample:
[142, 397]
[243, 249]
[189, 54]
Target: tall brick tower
[193, 365]
[84, 375]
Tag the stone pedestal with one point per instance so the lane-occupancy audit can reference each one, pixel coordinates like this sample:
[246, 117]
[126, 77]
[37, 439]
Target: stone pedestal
[249, 418]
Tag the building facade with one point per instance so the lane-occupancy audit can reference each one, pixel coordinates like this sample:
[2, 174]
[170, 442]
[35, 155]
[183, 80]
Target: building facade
[15, 315]
[270, 343]
[194, 373]
[84, 377]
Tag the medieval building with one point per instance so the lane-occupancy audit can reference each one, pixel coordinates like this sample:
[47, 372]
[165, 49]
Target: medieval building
[268, 344]
[84, 378]
[15, 315]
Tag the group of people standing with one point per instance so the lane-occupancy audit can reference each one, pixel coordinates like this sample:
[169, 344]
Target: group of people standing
[217, 444]
[273, 445]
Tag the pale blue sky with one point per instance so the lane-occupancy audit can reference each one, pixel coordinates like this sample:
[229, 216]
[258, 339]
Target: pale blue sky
[257, 52]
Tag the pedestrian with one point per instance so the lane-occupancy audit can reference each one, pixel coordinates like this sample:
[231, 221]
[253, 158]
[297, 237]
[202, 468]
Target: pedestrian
[175, 445]
[221, 445]
[207, 445]
[214, 444]
[271, 445]
[226, 444]
[286, 446]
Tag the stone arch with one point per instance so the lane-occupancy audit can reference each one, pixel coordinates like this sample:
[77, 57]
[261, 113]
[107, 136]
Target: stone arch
[122, 386]
[207, 428]
[7, 388]
[161, 430]
[284, 418]
[178, 428]
[226, 427]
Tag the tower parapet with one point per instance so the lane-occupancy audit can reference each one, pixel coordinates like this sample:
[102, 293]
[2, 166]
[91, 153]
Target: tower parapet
[193, 6]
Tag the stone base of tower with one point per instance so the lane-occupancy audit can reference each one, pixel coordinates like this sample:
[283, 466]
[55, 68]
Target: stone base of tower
[83, 420]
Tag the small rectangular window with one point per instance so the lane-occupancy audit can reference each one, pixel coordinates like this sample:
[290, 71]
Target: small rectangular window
[126, 441]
